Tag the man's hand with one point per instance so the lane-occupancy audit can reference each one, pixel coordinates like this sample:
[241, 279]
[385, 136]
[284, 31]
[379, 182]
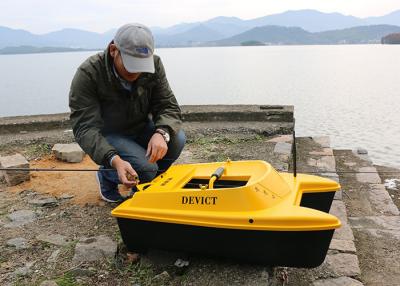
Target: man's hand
[125, 172]
[157, 148]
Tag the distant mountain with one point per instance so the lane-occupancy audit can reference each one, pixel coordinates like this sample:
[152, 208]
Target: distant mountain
[277, 35]
[307, 23]
[36, 50]
[269, 35]
[71, 38]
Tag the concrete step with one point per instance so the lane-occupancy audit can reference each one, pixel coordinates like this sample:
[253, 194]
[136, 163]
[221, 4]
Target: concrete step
[341, 266]
[373, 217]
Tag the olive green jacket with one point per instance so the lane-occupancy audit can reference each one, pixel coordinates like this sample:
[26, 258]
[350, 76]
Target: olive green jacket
[100, 105]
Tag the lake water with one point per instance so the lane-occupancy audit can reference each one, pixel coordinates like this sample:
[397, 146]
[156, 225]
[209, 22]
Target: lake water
[350, 93]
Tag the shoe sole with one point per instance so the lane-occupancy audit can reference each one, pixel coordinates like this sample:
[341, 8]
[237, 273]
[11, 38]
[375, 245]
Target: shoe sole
[101, 194]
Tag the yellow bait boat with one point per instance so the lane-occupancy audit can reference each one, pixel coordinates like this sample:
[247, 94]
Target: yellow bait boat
[244, 210]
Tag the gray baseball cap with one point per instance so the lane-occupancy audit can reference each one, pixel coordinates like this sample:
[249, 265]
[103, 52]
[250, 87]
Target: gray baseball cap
[136, 44]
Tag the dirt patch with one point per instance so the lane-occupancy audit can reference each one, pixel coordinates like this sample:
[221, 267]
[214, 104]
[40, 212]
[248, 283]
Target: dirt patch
[81, 185]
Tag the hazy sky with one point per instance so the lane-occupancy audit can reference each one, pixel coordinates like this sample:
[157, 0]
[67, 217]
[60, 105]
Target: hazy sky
[41, 16]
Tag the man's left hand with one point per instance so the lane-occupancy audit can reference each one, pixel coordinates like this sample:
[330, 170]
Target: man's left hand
[157, 148]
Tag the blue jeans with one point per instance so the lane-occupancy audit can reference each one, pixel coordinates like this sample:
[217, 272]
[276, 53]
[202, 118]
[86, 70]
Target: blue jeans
[133, 150]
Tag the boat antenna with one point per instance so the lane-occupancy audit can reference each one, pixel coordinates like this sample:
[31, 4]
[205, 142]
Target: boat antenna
[294, 151]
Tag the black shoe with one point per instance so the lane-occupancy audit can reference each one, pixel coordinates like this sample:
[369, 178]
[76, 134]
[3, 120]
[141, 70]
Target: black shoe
[108, 190]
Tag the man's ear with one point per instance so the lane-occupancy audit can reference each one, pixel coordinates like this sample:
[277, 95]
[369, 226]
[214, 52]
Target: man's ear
[113, 50]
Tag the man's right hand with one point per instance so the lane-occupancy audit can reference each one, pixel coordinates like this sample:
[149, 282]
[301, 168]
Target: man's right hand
[124, 168]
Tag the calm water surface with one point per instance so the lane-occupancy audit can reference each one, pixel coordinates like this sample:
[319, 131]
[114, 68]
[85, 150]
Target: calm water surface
[350, 93]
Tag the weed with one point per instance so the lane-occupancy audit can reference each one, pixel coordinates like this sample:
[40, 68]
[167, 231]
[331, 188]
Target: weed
[66, 280]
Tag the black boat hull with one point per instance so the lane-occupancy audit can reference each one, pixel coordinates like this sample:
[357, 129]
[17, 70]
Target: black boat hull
[304, 249]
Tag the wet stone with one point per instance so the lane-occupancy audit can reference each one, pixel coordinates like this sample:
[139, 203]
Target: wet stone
[20, 218]
[94, 249]
[361, 151]
[55, 239]
[340, 281]
[18, 243]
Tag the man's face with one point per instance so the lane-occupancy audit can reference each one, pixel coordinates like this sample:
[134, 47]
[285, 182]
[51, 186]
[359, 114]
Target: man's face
[119, 66]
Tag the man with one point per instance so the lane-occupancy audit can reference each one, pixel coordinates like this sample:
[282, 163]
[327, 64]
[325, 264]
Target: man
[124, 113]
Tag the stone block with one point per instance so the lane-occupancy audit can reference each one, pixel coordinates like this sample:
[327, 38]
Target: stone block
[283, 148]
[324, 141]
[71, 153]
[20, 218]
[94, 249]
[343, 245]
[55, 239]
[343, 264]
[368, 175]
[340, 281]
[15, 161]
[380, 200]
[324, 152]
[376, 222]
[18, 243]
[282, 138]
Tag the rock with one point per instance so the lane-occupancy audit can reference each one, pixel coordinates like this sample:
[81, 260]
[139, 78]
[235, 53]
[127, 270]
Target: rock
[82, 272]
[132, 257]
[53, 257]
[66, 196]
[343, 264]
[361, 151]
[94, 249]
[370, 176]
[181, 266]
[24, 271]
[340, 281]
[283, 148]
[20, 218]
[71, 153]
[55, 239]
[343, 245]
[161, 278]
[15, 161]
[18, 243]
[48, 283]
[42, 202]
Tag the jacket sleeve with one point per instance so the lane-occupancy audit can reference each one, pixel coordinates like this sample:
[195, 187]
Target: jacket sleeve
[86, 118]
[164, 106]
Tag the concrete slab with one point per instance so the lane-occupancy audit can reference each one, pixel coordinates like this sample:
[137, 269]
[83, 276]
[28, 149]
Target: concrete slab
[283, 148]
[340, 281]
[324, 141]
[343, 264]
[341, 245]
[381, 201]
[370, 176]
